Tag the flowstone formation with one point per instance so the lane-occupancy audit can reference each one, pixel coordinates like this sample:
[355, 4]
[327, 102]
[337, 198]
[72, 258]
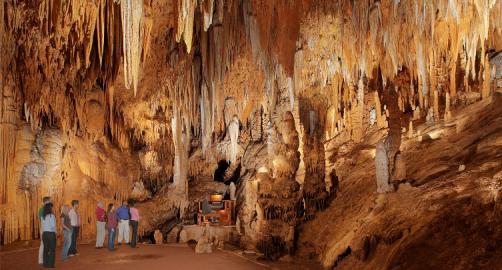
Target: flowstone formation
[345, 128]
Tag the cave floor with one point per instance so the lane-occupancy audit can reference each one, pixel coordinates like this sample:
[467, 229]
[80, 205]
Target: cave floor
[146, 257]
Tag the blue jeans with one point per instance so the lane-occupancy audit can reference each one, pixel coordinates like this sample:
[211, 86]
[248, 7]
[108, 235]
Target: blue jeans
[134, 224]
[111, 238]
[66, 244]
[74, 237]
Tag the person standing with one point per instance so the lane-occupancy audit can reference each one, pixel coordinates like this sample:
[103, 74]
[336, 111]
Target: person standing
[67, 231]
[45, 200]
[112, 226]
[134, 223]
[75, 225]
[123, 219]
[49, 236]
[100, 225]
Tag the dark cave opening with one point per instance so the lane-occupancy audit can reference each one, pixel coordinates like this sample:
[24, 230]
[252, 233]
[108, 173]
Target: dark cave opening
[221, 173]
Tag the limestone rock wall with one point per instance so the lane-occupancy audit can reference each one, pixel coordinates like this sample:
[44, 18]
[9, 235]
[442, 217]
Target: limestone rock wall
[296, 95]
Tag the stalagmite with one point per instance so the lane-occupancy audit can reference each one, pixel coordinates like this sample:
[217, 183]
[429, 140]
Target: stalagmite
[410, 130]
[447, 112]
[382, 168]
[233, 130]
[232, 191]
[436, 104]
[485, 91]
[180, 158]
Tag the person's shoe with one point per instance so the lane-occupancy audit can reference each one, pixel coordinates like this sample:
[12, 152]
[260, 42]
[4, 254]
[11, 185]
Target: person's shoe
[65, 259]
[71, 255]
[76, 254]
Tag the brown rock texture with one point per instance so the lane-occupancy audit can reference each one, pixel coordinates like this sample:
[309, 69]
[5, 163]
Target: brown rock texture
[343, 124]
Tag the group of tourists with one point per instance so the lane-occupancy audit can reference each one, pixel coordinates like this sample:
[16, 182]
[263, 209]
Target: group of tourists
[119, 219]
[113, 219]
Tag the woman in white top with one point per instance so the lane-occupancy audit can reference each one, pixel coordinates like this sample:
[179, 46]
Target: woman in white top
[49, 235]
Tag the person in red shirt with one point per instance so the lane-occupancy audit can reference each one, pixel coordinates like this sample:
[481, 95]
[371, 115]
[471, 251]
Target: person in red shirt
[112, 226]
[100, 225]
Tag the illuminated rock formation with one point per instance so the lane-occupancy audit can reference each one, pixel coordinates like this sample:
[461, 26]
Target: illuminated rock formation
[343, 124]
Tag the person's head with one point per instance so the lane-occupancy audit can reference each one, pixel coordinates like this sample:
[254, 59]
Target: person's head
[100, 204]
[46, 199]
[74, 204]
[131, 203]
[124, 203]
[65, 209]
[111, 207]
[47, 209]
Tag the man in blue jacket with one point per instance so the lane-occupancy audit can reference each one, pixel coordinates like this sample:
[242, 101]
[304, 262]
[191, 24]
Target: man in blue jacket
[123, 219]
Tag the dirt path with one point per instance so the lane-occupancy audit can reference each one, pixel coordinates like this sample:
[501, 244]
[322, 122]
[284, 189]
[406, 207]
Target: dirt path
[147, 257]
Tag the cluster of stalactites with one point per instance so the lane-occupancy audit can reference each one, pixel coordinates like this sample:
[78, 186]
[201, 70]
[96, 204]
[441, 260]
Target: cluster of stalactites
[186, 18]
[429, 40]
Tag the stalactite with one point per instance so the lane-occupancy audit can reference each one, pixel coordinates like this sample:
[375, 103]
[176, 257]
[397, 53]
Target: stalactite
[381, 117]
[102, 6]
[208, 13]
[90, 19]
[186, 10]
[132, 15]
